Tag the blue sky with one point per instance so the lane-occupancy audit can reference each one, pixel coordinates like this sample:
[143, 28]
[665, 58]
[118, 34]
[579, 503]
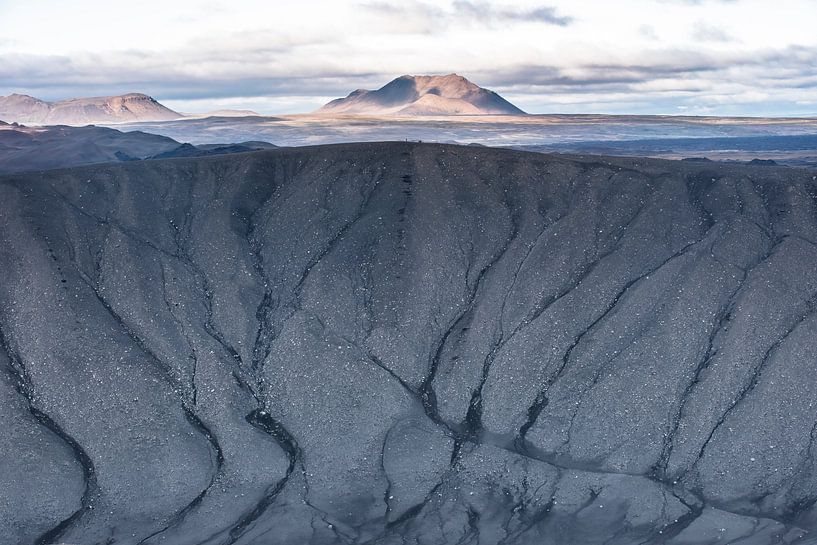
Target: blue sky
[715, 57]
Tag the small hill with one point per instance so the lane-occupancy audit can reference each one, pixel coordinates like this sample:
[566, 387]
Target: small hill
[189, 150]
[38, 148]
[131, 107]
[423, 95]
[25, 148]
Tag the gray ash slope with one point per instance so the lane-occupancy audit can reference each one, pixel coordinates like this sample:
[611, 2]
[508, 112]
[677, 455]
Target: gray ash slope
[402, 343]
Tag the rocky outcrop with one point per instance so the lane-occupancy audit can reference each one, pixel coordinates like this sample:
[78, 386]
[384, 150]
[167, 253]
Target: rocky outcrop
[401, 343]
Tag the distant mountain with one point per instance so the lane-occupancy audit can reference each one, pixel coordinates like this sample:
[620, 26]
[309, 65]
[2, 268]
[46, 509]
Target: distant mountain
[84, 111]
[229, 113]
[40, 148]
[23, 109]
[189, 150]
[25, 148]
[254, 145]
[423, 95]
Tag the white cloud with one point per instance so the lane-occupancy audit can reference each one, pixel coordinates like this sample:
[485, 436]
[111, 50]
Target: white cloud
[705, 32]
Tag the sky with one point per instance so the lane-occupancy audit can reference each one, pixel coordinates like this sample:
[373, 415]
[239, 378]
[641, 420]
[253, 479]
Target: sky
[701, 57]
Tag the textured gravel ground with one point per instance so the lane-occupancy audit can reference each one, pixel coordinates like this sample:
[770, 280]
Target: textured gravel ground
[402, 343]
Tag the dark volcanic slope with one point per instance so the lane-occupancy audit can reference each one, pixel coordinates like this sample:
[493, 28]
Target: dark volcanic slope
[398, 343]
[39, 148]
[35, 148]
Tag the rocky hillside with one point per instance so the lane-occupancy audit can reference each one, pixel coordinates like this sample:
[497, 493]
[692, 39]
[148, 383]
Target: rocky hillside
[401, 343]
[423, 95]
[36, 148]
[25, 148]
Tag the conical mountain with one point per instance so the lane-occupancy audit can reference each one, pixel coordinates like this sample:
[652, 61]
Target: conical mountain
[423, 95]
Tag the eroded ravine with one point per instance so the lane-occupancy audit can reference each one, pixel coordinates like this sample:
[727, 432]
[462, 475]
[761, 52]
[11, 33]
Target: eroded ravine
[401, 343]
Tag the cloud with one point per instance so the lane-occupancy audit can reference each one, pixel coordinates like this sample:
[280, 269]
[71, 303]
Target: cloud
[661, 79]
[420, 17]
[485, 12]
[704, 32]
[698, 2]
[666, 79]
[58, 76]
[410, 16]
[649, 32]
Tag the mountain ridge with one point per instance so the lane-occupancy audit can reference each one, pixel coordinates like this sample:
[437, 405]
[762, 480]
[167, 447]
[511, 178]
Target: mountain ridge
[129, 107]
